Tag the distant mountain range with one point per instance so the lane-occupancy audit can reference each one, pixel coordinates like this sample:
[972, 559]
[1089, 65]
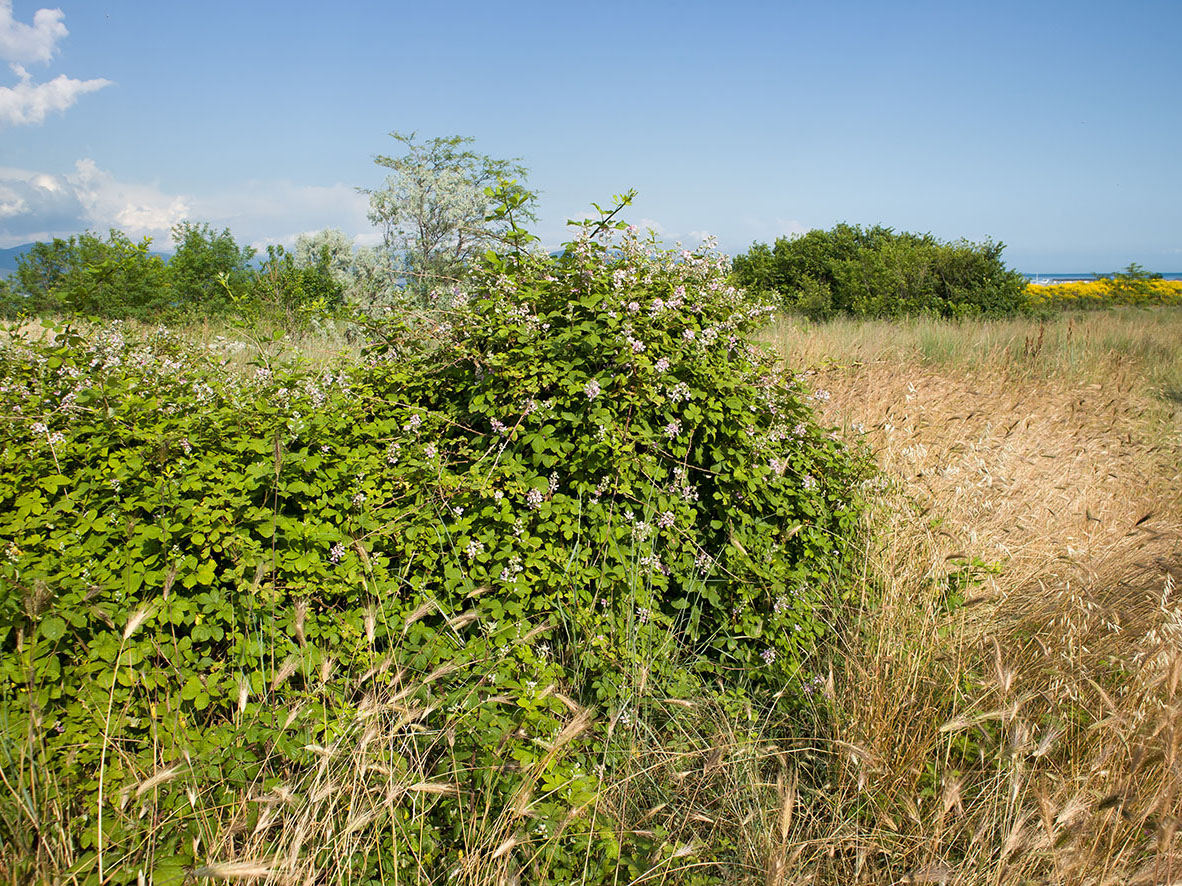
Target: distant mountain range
[9, 256]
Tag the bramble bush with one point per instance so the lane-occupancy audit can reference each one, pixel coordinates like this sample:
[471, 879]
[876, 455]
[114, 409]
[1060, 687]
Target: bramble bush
[657, 472]
[478, 558]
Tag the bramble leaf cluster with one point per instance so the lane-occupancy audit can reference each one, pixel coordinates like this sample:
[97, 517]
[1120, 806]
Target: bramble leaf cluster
[590, 475]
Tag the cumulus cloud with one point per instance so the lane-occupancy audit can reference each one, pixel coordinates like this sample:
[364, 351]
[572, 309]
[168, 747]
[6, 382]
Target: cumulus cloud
[36, 205]
[30, 43]
[40, 206]
[30, 102]
[268, 212]
[136, 209]
[11, 203]
[651, 224]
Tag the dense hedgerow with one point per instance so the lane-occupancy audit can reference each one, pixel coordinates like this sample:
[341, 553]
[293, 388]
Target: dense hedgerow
[877, 272]
[593, 476]
[607, 412]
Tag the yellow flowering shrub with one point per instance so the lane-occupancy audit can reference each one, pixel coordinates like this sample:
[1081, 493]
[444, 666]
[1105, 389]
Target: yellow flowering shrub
[1105, 292]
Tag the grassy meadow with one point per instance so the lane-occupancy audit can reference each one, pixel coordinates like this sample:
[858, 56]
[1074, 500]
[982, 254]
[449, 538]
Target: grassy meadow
[1004, 705]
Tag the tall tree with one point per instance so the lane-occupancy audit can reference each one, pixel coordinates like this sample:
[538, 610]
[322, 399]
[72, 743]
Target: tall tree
[433, 210]
[206, 267]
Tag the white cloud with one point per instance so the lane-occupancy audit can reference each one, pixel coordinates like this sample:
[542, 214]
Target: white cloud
[276, 212]
[41, 206]
[36, 205]
[701, 236]
[11, 202]
[137, 210]
[30, 102]
[789, 227]
[649, 224]
[30, 43]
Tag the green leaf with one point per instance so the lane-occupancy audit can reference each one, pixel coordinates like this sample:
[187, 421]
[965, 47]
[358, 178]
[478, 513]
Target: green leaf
[52, 628]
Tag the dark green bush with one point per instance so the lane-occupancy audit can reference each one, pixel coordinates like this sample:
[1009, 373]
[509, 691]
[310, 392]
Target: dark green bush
[87, 275]
[208, 277]
[208, 271]
[592, 483]
[875, 272]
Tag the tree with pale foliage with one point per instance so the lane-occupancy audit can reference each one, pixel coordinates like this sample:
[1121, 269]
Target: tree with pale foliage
[332, 247]
[433, 208]
[365, 274]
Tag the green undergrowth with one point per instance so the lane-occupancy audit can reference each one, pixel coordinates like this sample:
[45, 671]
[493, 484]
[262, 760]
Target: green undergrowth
[425, 592]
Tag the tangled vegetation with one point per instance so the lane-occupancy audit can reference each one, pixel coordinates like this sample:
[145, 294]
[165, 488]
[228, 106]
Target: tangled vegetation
[402, 616]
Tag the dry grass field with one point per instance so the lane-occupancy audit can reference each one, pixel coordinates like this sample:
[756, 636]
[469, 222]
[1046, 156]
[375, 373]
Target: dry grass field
[1027, 729]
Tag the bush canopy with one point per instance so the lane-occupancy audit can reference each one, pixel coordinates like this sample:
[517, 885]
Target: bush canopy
[875, 272]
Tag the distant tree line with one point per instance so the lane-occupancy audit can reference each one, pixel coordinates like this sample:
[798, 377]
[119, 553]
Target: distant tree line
[208, 275]
[432, 211]
[876, 272]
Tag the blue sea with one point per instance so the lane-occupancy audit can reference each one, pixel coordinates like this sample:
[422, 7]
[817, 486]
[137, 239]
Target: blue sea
[1047, 279]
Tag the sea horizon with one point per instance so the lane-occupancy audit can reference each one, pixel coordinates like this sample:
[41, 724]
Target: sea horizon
[1047, 279]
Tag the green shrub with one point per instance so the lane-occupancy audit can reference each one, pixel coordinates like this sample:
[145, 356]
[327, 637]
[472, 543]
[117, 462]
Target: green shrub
[89, 276]
[875, 272]
[292, 294]
[208, 271]
[662, 477]
[591, 484]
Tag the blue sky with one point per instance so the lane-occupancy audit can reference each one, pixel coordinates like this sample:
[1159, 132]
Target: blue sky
[1054, 127]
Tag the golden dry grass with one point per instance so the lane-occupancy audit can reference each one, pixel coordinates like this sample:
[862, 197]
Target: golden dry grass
[1033, 734]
